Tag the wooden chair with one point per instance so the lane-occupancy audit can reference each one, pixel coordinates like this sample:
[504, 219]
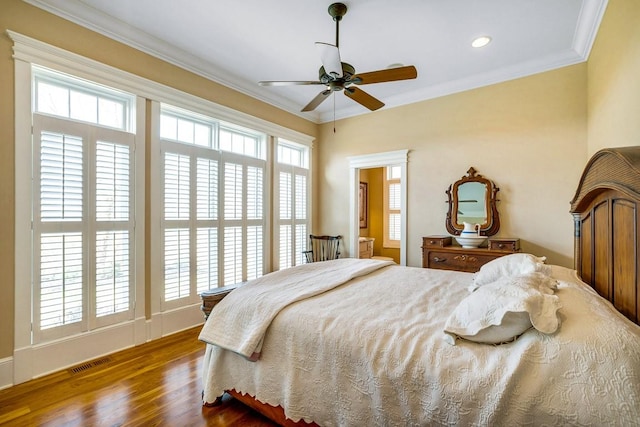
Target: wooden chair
[323, 248]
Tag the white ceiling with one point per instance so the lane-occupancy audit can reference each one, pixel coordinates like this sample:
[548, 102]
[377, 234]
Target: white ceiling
[240, 42]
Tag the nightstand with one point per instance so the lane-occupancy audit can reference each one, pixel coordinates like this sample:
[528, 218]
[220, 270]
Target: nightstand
[212, 297]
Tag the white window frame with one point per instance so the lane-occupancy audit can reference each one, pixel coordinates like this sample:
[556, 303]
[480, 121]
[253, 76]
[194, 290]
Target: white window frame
[296, 223]
[87, 226]
[192, 223]
[32, 359]
[176, 316]
[387, 241]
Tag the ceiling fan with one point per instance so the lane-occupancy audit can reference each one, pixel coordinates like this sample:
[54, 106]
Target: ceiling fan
[340, 76]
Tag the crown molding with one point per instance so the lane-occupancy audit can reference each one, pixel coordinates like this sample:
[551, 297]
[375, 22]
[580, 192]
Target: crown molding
[552, 62]
[587, 26]
[589, 19]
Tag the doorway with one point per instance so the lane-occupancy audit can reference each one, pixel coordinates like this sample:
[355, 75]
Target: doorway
[379, 211]
[371, 161]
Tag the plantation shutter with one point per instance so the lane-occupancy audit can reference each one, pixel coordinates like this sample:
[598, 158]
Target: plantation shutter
[392, 207]
[61, 280]
[243, 222]
[394, 211]
[286, 228]
[214, 191]
[82, 227]
[60, 259]
[207, 232]
[233, 254]
[291, 188]
[301, 201]
[113, 242]
[255, 222]
[177, 257]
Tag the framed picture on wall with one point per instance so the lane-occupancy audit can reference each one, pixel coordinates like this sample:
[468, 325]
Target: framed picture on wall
[363, 203]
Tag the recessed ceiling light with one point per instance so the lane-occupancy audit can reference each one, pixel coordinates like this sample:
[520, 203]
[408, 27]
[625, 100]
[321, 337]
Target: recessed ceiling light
[481, 41]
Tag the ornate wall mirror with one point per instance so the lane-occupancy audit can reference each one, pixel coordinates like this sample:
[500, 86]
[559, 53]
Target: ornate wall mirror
[472, 199]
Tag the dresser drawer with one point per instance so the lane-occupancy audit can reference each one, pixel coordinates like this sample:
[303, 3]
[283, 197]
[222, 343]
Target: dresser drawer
[436, 241]
[459, 260]
[504, 244]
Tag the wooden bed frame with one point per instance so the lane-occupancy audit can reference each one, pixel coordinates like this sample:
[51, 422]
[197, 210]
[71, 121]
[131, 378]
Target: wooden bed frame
[606, 211]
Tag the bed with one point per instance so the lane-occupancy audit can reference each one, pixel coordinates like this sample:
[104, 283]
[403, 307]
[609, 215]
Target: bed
[363, 342]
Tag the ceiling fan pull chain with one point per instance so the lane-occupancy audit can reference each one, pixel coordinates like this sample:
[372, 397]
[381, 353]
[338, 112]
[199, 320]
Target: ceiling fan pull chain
[334, 113]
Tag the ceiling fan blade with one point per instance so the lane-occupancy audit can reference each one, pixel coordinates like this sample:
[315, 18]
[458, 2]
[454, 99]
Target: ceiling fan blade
[330, 57]
[288, 83]
[363, 98]
[317, 100]
[388, 75]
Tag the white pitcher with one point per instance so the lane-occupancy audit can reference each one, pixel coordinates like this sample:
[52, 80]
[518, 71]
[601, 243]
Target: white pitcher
[470, 229]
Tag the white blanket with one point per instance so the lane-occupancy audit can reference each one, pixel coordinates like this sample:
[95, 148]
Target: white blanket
[371, 353]
[239, 322]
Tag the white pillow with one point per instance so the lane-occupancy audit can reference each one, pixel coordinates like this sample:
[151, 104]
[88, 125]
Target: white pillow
[510, 265]
[501, 311]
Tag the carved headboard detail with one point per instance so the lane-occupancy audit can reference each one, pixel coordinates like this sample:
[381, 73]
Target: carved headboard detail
[606, 212]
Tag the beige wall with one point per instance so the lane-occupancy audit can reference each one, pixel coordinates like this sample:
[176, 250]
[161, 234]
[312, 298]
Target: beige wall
[20, 17]
[532, 136]
[528, 135]
[614, 78]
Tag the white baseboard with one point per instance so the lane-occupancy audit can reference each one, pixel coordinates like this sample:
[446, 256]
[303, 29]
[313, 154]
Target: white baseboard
[6, 372]
[38, 360]
[180, 319]
[35, 361]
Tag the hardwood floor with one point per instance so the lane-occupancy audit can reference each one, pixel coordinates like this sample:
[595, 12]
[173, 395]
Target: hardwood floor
[155, 384]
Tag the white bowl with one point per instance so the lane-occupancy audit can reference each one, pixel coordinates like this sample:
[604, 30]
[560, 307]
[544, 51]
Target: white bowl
[470, 241]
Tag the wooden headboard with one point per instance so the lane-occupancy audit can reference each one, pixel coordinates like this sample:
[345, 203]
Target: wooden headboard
[606, 212]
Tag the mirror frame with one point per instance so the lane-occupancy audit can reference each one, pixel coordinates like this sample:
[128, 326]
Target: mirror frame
[492, 225]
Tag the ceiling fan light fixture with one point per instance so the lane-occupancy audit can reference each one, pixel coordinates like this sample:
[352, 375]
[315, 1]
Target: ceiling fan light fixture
[337, 76]
[481, 41]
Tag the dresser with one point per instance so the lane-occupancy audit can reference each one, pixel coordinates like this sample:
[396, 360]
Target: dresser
[439, 252]
[365, 248]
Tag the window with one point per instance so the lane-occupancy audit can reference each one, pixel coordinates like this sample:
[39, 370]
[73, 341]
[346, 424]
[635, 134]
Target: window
[392, 206]
[292, 188]
[85, 179]
[68, 97]
[82, 208]
[214, 220]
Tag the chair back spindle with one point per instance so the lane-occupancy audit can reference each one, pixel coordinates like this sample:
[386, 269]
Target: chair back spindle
[323, 248]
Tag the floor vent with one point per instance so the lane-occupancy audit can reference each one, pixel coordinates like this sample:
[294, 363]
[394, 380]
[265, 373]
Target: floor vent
[89, 365]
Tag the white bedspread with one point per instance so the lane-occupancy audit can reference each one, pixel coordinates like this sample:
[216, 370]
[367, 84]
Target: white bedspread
[371, 353]
[240, 320]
